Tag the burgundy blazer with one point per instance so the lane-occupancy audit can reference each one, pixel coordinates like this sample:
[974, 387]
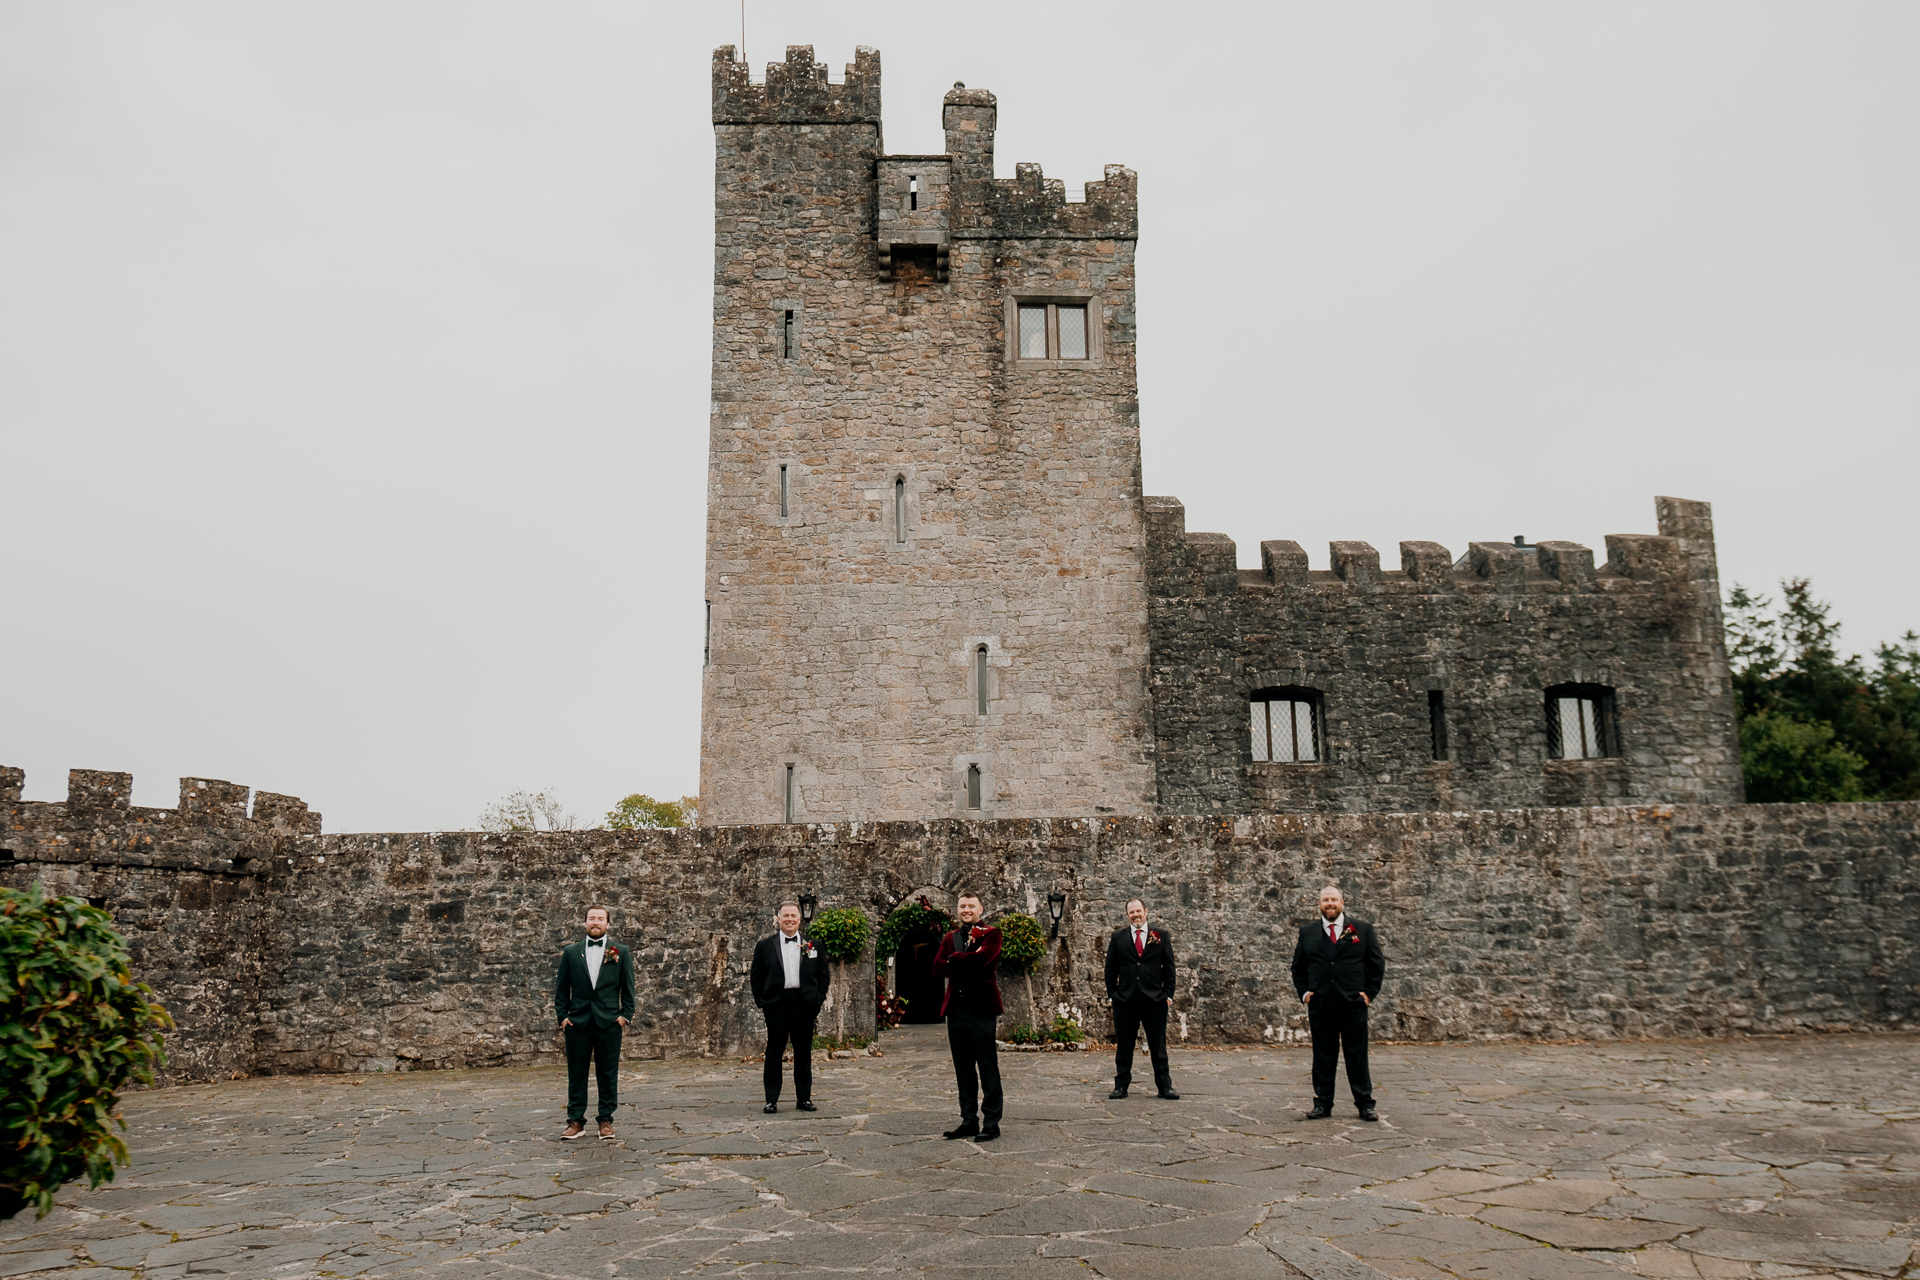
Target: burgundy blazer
[973, 975]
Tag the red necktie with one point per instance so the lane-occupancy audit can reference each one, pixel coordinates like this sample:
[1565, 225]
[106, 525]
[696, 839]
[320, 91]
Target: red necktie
[1332, 936]
[1139, 947]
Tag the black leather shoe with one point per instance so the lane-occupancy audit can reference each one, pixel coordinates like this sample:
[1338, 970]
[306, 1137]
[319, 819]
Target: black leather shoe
[771, 1107]
[804, 1106]
[1368, 1113]
[1170, 1095]
[989, 1133]
[966, 1130]
[1319, 1112]
[1116, 1095]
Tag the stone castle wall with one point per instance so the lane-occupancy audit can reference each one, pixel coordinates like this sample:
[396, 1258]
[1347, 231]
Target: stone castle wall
[1490, 633]
[351, 952]
[188, 887]
[842, 644]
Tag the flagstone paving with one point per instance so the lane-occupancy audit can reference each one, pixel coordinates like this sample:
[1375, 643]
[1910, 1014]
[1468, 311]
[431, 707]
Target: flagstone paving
[1767, 1158]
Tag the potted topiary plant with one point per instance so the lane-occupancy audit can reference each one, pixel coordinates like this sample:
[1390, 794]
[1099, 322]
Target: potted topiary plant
[841, 933]
[74, 1029]
[1022, 943]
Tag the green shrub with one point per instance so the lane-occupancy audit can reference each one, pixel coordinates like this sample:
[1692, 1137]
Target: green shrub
[842, 933]
[1024, 1033]
[1022, 942]
[74, 1028]
[827, 1044]
[1795, 761]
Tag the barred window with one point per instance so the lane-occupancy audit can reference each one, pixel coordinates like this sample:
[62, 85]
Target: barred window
[1286, 725]
[1580, 723]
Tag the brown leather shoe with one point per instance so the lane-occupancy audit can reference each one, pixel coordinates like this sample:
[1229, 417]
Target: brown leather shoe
[575, 1129]
[606, 1130]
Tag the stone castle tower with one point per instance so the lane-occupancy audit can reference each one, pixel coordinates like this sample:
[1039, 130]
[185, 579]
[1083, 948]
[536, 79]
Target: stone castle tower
[925, 584]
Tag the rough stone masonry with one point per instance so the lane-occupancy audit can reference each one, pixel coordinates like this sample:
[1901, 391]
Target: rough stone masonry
[935, 588]
[280, 949]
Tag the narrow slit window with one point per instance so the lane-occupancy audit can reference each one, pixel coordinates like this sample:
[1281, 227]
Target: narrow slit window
[913, 191]
[973, 786]
[786, 338]
[789, 795]
[1437, 722]
[899, 508]
[783, 490]
[1073, 333]
[706, 645]
[1285, 726]
[980, 678]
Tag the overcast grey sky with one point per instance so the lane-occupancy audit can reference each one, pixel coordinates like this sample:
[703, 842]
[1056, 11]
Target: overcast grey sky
[353, 356]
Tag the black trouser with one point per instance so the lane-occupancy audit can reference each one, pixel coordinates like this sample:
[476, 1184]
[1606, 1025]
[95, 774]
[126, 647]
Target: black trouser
[1129, 1017]
[1338, 1023]
[586, 1039]
[790, 1020]
[976, 1065]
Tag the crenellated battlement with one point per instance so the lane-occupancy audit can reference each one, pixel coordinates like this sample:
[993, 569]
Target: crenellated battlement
[1207, 564]
[796, 91]
[210, 830]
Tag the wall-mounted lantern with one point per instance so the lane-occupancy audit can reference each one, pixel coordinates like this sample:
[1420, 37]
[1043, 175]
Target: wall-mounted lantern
[808, 904]
[1056, 907]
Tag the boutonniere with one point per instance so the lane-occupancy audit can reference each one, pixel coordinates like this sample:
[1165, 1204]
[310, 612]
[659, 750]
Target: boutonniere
[1152, 936]
[1351, 934]
[977, 933]
[812, 952]
[613, 954]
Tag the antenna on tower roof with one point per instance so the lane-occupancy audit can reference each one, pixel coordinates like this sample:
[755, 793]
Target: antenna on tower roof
[743, 39]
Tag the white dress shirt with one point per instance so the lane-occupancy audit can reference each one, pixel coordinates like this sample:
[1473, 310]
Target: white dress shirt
[1339, 923]
[594, 957]
[1139, 938]
[790, 959]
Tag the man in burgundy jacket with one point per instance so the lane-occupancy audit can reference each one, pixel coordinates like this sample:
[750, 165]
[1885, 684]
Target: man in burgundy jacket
[969, 960]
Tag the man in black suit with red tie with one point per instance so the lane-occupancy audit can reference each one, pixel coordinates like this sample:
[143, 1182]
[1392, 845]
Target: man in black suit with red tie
[1140, 977]
[789, 981]
[969, 961]
[1337, 970]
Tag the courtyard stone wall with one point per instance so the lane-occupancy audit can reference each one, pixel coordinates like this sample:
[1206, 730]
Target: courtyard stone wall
[351, 952]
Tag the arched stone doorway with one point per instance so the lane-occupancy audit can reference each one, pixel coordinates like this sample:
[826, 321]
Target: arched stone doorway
[915, 927]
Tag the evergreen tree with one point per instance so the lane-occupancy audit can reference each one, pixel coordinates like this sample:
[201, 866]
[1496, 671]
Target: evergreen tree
[1814, 725]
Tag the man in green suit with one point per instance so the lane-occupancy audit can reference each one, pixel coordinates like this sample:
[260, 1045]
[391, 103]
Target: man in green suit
[593, 1001]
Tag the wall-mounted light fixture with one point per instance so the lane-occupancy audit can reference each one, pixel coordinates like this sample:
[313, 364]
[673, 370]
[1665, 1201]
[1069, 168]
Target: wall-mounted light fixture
[808, 903]
[1056, 907]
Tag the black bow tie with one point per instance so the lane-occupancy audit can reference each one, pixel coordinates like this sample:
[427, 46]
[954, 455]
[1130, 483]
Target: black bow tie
[596, 942]
[794, 938]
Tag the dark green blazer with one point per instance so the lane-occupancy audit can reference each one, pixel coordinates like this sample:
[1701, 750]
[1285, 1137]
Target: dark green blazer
[576, 998]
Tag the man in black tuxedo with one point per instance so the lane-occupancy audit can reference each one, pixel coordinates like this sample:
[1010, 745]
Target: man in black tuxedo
[789, 982]
[1337, 970]
[1140, 976]
[593, 1001]
[969, 961]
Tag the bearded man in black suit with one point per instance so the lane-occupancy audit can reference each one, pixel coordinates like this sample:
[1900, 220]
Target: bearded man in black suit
[593, 1001]
[1337, 970]
[789, 981]
[1140, 978]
